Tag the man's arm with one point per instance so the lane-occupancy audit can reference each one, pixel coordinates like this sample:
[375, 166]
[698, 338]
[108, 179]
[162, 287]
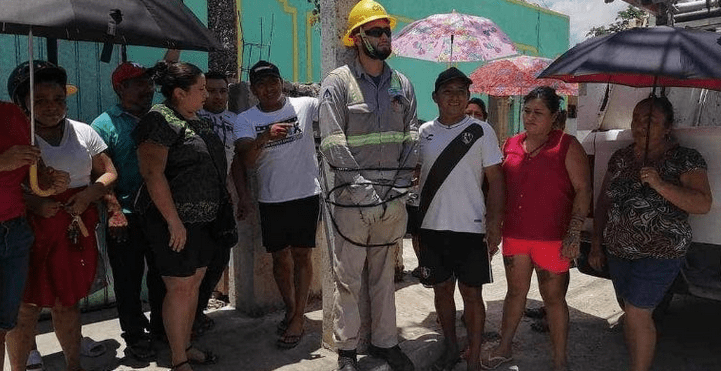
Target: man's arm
[333, 120]
[496, 204]
[249, 149]
[409, 155]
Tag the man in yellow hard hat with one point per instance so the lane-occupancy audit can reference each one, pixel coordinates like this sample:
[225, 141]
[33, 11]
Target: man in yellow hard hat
[369, 132]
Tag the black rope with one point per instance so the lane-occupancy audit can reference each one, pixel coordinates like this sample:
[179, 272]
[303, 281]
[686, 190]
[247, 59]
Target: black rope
[328, 201]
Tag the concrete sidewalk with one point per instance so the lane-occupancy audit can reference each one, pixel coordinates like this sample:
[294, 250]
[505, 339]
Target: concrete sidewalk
[245, 343]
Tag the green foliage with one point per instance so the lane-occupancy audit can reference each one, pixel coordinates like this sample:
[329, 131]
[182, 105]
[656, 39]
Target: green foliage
[624, 20]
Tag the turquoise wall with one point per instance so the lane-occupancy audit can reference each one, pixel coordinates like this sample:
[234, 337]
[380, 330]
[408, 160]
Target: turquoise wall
[287, 33]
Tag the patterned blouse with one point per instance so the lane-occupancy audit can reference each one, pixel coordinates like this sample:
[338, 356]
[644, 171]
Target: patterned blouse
[196, 165]
[641, 223]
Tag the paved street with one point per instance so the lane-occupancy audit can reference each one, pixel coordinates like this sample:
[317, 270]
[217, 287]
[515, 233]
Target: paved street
[691, 336]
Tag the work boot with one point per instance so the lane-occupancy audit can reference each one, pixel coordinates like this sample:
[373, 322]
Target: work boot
[347, 360]
[395, 357]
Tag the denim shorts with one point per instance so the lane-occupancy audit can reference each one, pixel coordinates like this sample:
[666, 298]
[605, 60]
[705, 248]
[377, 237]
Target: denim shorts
[16, 237]
[643, 282]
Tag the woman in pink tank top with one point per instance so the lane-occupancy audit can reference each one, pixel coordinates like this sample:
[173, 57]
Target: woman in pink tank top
[548, 196]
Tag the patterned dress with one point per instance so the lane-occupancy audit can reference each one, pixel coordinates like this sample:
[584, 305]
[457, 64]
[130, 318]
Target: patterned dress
[641, 223]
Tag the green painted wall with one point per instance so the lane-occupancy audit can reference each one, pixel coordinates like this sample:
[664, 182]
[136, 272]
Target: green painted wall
[285, 32]
[288, 39]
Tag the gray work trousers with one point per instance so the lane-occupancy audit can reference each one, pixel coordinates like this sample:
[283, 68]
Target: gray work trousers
[349, 260]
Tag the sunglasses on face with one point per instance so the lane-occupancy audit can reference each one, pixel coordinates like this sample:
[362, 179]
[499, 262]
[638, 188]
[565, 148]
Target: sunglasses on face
[378, 31]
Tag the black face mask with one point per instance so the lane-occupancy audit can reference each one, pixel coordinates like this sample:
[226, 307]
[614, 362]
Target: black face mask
[370, 50]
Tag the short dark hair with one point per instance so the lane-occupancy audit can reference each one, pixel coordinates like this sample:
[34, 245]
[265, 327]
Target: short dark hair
[170, 75]
[664, 105]
[216, 75]
[479, 102]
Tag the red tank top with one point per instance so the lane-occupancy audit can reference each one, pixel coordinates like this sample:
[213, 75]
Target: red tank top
[539, 193]
[15, 131]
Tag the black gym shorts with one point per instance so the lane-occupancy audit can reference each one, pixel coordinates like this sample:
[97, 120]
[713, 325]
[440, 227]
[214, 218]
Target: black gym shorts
[290, 223]
[446, 254]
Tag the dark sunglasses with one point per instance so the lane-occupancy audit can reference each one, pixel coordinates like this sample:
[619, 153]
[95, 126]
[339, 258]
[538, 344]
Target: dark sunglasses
[378, 31]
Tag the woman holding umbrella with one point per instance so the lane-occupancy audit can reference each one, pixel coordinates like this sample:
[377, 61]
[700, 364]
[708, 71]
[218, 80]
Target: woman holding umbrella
[64, 255]
[649, 190]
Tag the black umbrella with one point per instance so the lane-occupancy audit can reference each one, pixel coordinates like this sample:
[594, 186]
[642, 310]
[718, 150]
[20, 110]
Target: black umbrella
[157, 23]
[644, 57]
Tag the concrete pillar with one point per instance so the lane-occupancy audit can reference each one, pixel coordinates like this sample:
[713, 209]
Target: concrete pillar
[222, 20]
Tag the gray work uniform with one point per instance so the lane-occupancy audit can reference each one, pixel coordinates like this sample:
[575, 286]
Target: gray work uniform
[369, 134]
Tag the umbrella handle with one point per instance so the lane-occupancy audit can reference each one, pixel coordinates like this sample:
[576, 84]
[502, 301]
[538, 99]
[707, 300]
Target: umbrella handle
[34, 183]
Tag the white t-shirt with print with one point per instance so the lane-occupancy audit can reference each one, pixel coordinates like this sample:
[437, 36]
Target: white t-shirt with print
[288, 167]
[458, 204]
[223, 126]
[75, 152]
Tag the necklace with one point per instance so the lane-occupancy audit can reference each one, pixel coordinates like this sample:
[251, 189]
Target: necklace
[537, 149]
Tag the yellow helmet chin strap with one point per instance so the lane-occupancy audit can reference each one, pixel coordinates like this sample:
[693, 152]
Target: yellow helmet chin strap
[370, 49]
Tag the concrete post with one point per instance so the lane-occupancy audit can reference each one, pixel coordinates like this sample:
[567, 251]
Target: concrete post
[334, 18]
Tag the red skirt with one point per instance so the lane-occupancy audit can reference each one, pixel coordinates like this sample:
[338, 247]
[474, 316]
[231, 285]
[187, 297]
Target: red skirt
[60, 270]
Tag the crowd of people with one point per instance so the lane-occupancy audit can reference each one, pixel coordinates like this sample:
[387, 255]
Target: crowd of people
[172, 178]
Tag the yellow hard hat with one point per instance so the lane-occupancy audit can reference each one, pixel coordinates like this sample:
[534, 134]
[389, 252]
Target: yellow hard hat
[363, 12]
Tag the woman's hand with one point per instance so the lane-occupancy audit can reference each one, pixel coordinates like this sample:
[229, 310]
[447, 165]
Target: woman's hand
[79, 202]
[47, 208]
[178, 235]
[118, 227]
[571, 245]
[596, 257]
[59, 180]
[650, 176]
[18, 156]
[493, 238]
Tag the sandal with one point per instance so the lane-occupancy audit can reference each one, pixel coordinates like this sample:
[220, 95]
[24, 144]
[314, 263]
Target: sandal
[35, 361]
[179, 365]
[289, 341]
[209, 358]
[141, 350]
[282, 326]
[493, 363]
[91, 348]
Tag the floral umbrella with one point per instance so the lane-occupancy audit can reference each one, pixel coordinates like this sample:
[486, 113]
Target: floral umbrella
[516, 76]
[453, 37]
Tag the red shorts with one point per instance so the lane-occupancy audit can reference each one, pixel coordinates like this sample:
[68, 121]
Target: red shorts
[544, 254]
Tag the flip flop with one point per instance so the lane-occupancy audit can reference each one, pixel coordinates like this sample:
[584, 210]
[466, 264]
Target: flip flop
[209, 358]
[289, 341]
[494, 362]
[282, 326]
[91, 348]
[35, 361]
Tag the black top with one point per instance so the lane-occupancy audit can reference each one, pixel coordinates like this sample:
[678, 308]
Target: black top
[196, 164]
